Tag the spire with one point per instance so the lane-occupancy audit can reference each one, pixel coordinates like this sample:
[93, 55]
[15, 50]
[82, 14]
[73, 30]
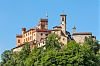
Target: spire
[74, 29]
[46, 14]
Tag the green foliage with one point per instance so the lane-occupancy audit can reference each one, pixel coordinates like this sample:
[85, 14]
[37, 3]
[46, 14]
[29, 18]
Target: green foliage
[34, 57]
[25, 51]
[15, 59]
[72, 54]
[6, 56]
[98, 57]
[78, 55]
[94, 44]
[52, 42]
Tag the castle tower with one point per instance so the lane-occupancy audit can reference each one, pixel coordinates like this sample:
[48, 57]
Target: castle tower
[63, 22]
[74, 29]
[43, 24]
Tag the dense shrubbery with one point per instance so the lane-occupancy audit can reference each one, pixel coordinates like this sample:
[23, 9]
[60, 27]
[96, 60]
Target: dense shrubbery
[71, 54]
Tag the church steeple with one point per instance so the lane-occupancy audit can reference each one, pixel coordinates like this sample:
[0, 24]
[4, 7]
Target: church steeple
[74, 29]
[63, 22]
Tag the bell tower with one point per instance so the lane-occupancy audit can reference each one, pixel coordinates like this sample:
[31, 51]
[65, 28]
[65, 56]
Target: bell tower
[63, 22]
[74, 30]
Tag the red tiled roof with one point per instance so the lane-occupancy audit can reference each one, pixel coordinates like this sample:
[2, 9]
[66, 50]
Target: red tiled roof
[57, 27]
[55, 30]
[83, 33]
[30, 29]
[24, 29]
[42, 30]
[19, 36]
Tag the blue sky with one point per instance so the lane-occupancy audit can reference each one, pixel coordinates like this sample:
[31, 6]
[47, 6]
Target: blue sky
[15, 14]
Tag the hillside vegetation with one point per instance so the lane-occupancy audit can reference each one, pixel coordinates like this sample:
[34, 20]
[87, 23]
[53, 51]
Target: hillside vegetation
[55, 54]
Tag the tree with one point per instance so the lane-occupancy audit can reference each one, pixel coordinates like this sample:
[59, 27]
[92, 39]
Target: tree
[94, 44]
[71, 54]
[23, 54]
[25, 51]
[98, 57]
[48, 58]
[52, 42]
[16, 58]
[6, 55]
[34, 57]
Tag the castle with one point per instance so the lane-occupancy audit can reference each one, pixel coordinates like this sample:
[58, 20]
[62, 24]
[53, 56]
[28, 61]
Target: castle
[36, 36]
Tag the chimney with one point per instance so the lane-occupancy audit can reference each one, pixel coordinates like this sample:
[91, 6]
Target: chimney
[23, 30]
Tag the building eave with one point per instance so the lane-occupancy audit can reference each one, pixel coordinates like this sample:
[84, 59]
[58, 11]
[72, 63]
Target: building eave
[18, 36]
[82, 33]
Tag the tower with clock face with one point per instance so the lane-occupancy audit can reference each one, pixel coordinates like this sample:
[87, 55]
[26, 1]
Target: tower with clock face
[63, 23]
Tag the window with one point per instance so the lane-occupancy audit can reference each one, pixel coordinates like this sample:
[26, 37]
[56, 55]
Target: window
[24, 40]
[30, 37]
[41, 34]
[24, 35]
[62, 19]
[43, 42]
[30, 32]
[18, 41]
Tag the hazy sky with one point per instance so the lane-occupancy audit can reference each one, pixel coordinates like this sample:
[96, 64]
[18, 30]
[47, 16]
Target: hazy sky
[15, 14]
